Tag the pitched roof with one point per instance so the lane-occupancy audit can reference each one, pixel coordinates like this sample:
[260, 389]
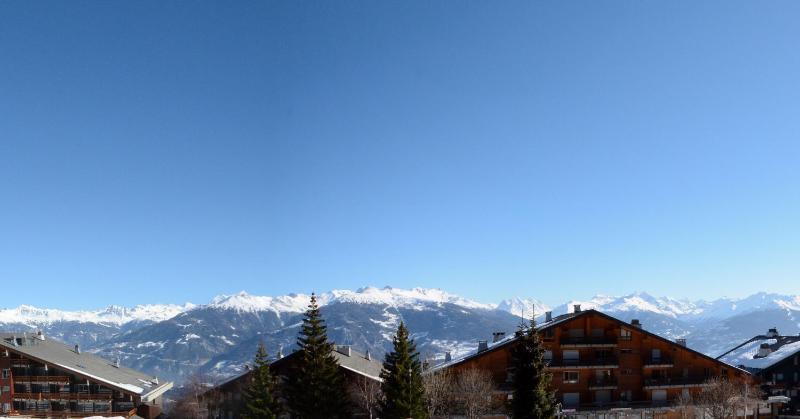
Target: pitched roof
[351, 360]
[84, 365]
[509, 339]
[356, 362]
[747, 353]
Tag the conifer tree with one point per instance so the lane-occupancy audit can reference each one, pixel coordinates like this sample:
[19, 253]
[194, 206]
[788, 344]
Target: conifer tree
[402, 387]
[315, 387]
[533, 397]
[259, 397]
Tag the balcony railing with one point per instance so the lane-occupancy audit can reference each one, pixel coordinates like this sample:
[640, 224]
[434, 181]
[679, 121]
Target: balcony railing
[41, 378]
[602, 383]
[589, 341]
[674, 382]
[63, 396]
[662, 361]
[69, 414]
[610, 362]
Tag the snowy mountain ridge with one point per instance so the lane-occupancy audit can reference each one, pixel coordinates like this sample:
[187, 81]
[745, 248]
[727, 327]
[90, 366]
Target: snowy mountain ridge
[112, 315]
[415, 298]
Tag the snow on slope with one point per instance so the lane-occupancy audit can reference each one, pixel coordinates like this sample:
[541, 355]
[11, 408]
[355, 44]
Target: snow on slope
[523, 306]
[416, 298]
[116, 315]
[682, 308]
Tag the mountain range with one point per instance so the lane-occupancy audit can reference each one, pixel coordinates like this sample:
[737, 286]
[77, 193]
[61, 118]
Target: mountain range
[219, 338]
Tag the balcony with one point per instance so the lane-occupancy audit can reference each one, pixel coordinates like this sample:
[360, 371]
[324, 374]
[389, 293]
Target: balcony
[41, 379]
[674, 382]
[588, 342]
[603, 383]
[62, 396]
[584, 363]
[659, 362]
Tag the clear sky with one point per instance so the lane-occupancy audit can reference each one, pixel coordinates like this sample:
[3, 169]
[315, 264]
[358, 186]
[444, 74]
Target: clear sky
[156, 151]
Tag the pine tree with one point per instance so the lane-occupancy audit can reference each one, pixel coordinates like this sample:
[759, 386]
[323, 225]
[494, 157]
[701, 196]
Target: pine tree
[260, 402]
[402, 387]
[533, 397]
[316, 386]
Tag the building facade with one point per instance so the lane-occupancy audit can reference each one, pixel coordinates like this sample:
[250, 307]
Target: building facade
[599, 362]
[44, 377]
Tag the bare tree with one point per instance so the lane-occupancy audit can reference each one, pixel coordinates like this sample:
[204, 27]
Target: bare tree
[685, 405]
[367, 394]
[438, 391]
[194, 397]
[474, 392]
[723, 399]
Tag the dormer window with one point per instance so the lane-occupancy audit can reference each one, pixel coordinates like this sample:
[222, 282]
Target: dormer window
[624, 334]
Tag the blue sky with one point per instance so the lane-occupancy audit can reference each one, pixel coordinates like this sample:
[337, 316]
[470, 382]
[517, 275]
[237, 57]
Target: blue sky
[172, 151]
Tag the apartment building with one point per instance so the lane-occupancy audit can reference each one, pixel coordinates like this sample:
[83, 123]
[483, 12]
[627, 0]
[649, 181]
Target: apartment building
[600, 362]
[44, 377]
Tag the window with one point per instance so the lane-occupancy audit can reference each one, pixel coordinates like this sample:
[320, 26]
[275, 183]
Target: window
[779, 376]
[548, 333]
[626, 351]
[598, 333]
[656, 354]
[624, 334]
[796, 360]
[626, 395]
[6, 373]
[572, 399]
[548, 355]
[570, 377]
[795, 377]
[659, 395]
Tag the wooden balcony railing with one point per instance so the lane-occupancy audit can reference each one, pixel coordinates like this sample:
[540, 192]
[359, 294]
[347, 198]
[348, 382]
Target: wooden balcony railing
[589, 341]
[674, 382]
[66, 414]
[41, 379]
[609, 362]
[658, 361]
[602, 382]
[63, 396]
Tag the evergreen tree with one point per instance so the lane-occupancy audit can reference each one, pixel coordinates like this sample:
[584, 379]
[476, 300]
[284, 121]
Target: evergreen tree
[316, 386]
[402, 387]
[259, 399]
[533, 397]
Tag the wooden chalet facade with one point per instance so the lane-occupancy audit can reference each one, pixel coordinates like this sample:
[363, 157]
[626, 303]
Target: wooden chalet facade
[45, 378]
[599, 362]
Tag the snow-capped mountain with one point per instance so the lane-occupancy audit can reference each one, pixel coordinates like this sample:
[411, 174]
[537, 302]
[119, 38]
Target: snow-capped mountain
[220, 337]
[112, 315]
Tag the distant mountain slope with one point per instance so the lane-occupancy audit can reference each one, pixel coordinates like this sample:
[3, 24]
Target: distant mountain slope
[218, 338]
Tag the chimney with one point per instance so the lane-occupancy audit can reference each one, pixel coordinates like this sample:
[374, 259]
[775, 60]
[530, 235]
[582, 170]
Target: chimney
[116, 363]
[498, 336]
[763, 351]
[448, 356]
[15, 342]
[367, 356]
[773, 332]
[483, 345]
[280, 352]
[548, 316]
[635, 323]
[576, 308]
[40, 335]
[77, 349]
[681, 342]
[343, 349]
